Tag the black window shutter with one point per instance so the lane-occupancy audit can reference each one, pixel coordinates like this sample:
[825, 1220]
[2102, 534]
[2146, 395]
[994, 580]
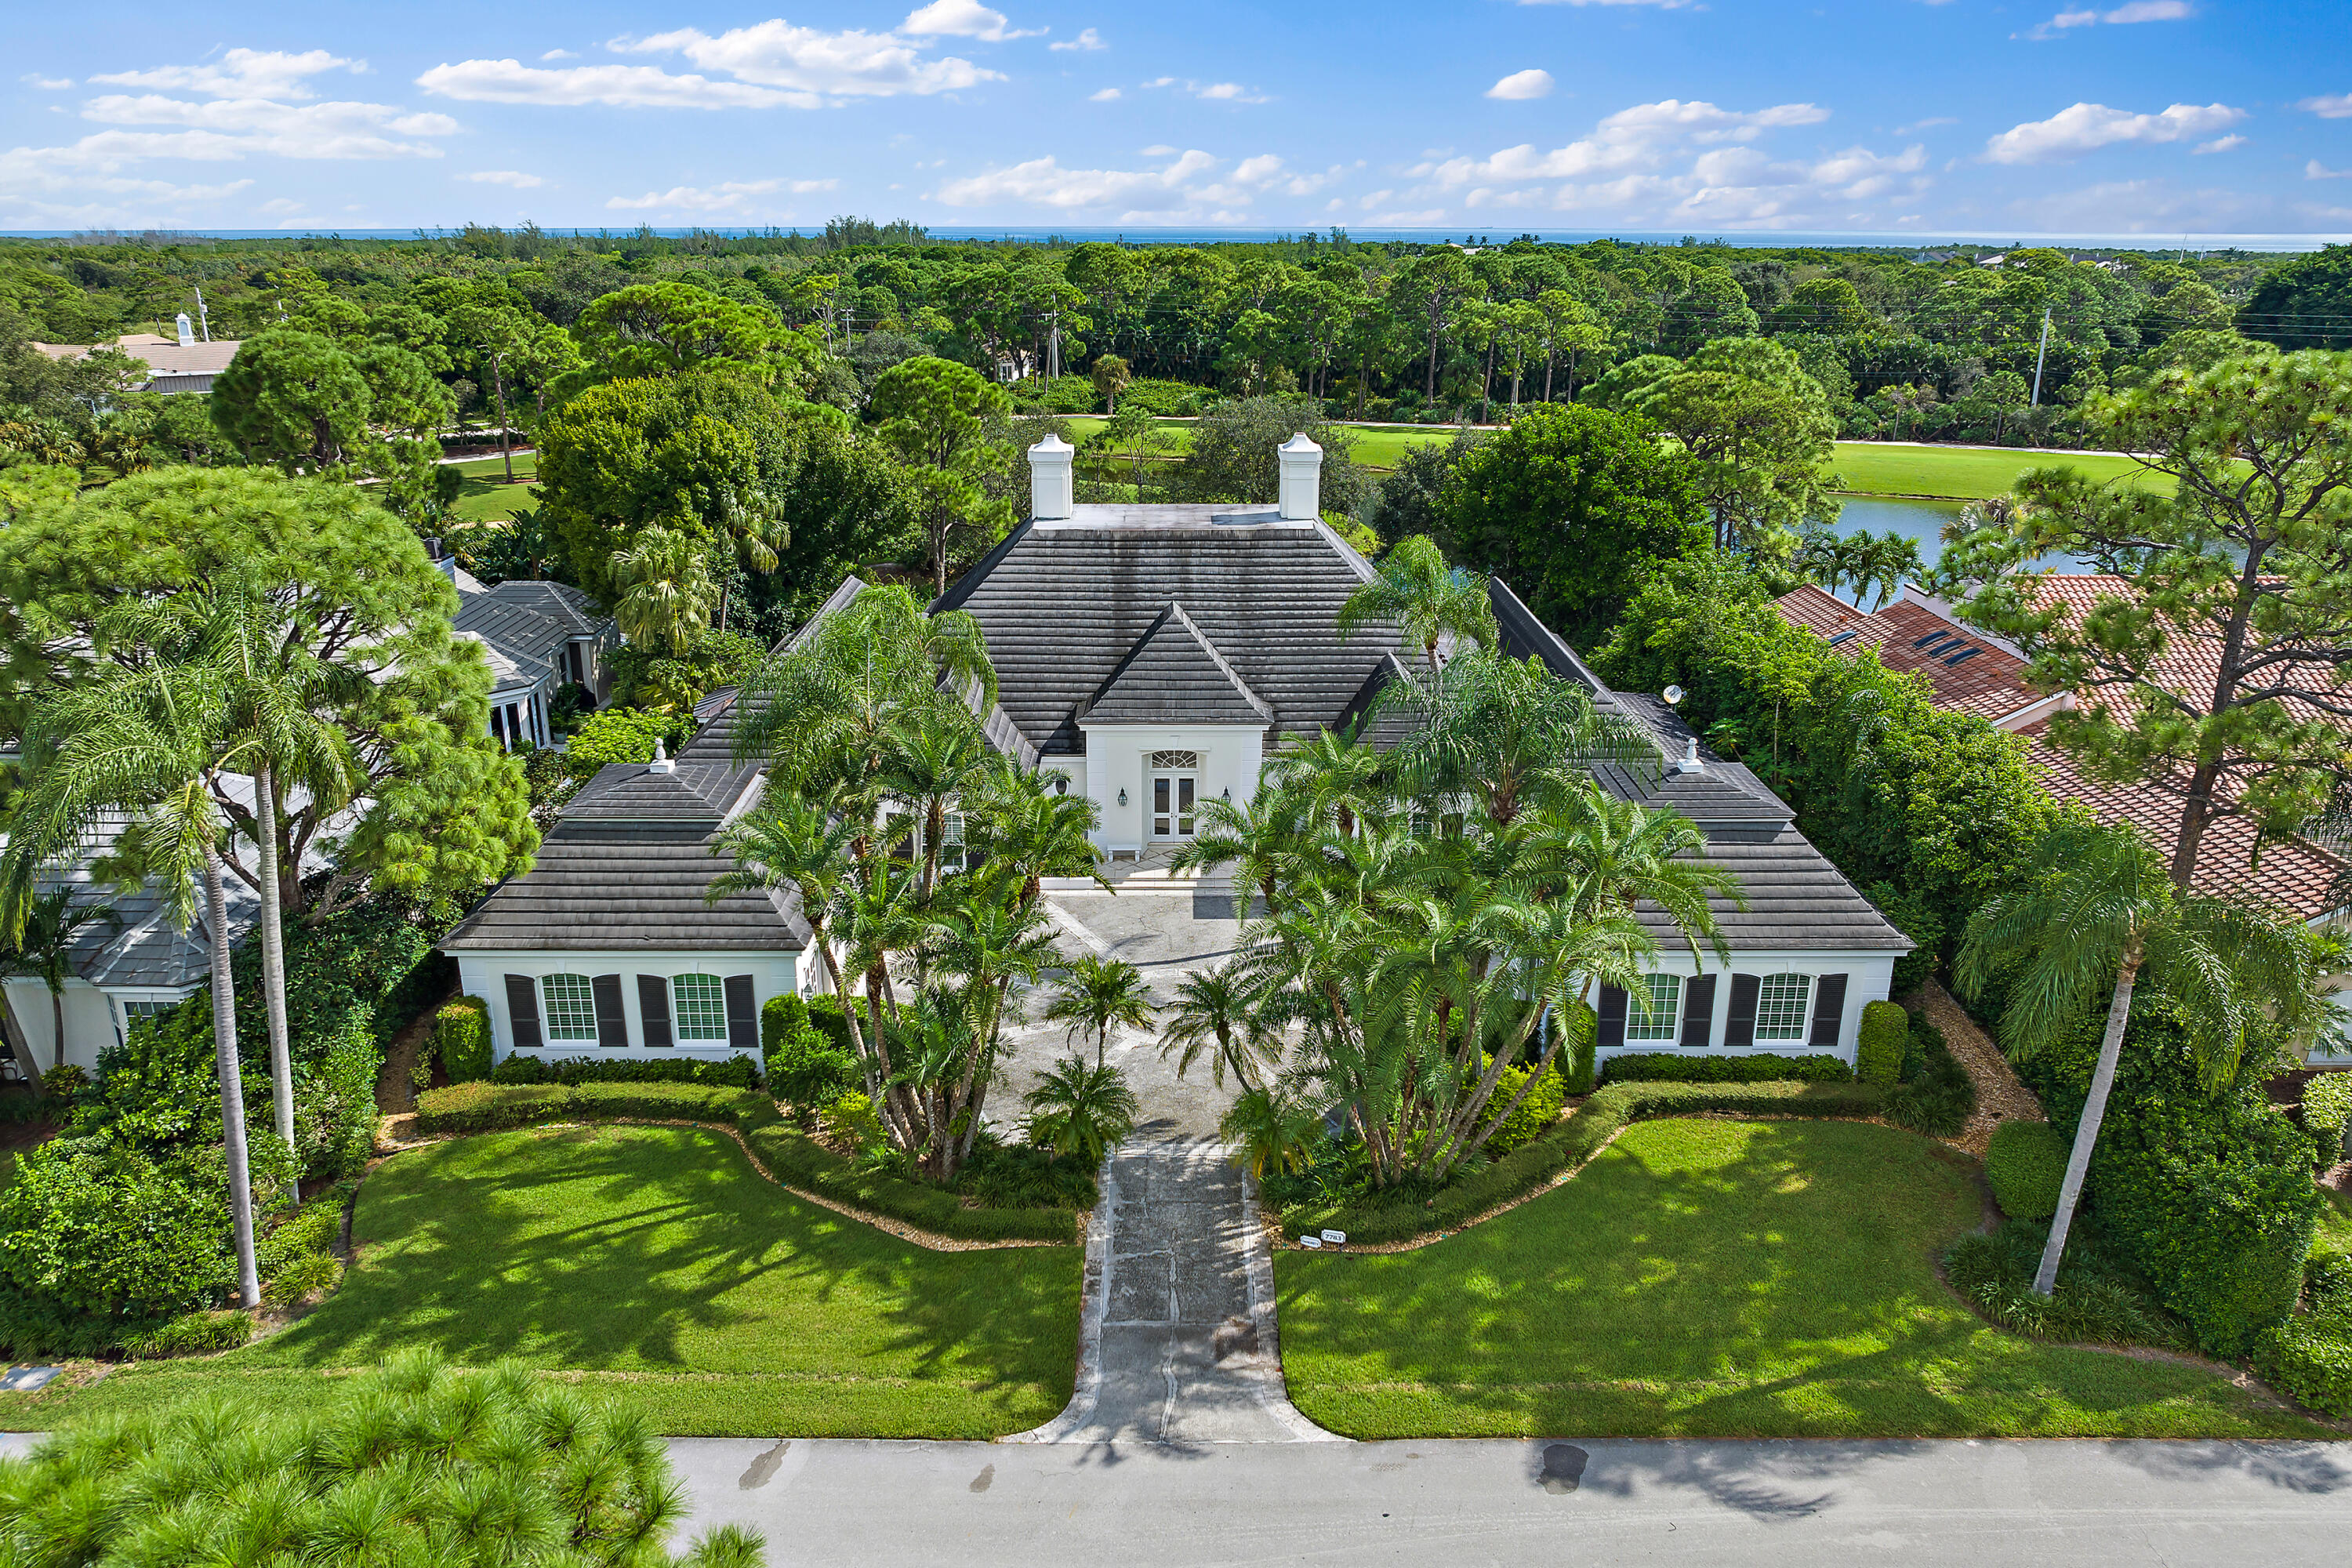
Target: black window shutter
[1698, 1012]
[742, 1016]
[653, 1008]
[1739, 1030]
[612, 1022]
[523, 1010]
[1829, 1011]
[1613, 1017]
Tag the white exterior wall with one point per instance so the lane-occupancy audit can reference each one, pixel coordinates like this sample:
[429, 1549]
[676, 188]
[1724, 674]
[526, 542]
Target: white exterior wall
[92, 1019]
[484, 976]
[1870, 977]
[1118, 758]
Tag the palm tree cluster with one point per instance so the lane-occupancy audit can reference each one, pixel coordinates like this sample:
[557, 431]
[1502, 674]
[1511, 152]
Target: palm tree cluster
[411, 1464]
[915, 850]
[1867, 564]
[1430, 916]
[200, 688]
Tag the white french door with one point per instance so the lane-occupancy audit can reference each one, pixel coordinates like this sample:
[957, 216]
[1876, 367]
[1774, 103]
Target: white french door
[1171, 805]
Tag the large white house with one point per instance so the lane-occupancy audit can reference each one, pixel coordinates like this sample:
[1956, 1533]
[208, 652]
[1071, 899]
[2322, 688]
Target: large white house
[1151, 657]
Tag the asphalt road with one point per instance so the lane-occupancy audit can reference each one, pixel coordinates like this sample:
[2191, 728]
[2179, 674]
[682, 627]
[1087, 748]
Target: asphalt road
[1460, 1504]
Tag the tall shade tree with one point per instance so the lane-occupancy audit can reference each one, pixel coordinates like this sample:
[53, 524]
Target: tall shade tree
[2219, 674]
[147, 743]
[354, 599]
[1434, 604]
[42, 949]
[669, 328]
[2098, 914]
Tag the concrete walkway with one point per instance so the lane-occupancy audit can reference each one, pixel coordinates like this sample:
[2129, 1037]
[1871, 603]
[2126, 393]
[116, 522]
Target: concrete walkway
[1178, 1342]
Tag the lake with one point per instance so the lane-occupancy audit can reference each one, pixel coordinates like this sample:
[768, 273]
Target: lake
[1924, 521]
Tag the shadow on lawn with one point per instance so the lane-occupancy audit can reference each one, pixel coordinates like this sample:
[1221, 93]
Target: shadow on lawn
[661, 1250]
[1720, 1278]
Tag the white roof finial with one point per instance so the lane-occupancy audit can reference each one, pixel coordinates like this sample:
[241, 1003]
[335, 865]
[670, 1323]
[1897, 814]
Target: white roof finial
[661, 762]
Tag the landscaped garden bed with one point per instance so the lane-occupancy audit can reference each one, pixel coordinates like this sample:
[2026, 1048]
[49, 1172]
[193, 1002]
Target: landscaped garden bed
[656, 1266]
[1720, 1278]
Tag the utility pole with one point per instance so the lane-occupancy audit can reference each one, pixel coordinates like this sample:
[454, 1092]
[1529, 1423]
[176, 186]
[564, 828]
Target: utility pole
[2040, 354]
[202, 320]
[1053, 345]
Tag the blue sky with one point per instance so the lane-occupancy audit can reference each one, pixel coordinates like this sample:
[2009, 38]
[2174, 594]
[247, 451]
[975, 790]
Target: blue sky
[2158, 117]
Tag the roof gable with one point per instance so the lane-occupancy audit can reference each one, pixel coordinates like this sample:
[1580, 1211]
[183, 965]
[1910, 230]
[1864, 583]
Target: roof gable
[1175, 675]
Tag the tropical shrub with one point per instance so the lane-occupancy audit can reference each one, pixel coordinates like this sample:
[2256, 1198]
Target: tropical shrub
[492, 1107]
[803, 1066]
[800, 1160]
[2327, 1116]
[461, 1039]
[2026, 1163]
[1879, 1044]
[1016, 1175]
[1080, 1110]
[852, 1121]
[109, 1232]
[2309, 1358]
[412, 1462]
[1532, 1117]
[623, 735]
[1765, 1067]
[1938, 1099]
[2097, 1300]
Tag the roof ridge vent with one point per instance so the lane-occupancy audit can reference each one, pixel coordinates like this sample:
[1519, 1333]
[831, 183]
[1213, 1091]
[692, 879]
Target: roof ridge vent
[663, 763]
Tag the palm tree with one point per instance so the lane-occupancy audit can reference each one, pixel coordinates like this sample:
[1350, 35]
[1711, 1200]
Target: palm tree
[1339, 777]
[1428, 599]
[2099, 912]
[667, 591]
[1014, 818]
[1097, 996]
[1263, 837]
[1081, 1109]
[1216, 1012]
[146, 740]
[43, 949]
[1268, 1128]
[932, 759]
[989, 943]
[275, 689]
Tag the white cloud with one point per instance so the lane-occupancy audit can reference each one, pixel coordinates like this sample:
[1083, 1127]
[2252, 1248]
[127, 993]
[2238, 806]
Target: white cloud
[2146, 207]
[959, 19]
[1087, 41]
[1641, 137]
[231, 126]
[2085, 127]
[1157, 152]
[727, 197]
[1214, 91]
[852, 63]
[560, 54]
[515, 178]
[1262, 170]
[1927, 124]
[1521, 85]
[65, 193]
[1106, 95]
[240, 73]
[1181, 187]
[2315, 170]
[47, 83]
[616, 86]
[2330, 106]
[2220, 144]
[278, 206]
[2122, 16]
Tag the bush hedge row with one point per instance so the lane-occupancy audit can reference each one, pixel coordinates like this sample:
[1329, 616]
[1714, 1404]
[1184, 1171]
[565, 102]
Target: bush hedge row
[736, 1072]
[796, 1159]
[1680, 1067]
[1603, 1117]
[2309, 1358]
[1879, 1044]
[2026, 1163]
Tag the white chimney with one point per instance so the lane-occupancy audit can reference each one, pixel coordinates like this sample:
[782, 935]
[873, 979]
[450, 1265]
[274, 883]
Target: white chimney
[1302, 480]
[187, 332]
[1053, 486]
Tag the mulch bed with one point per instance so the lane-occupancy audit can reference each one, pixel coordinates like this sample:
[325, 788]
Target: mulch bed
[2000, 1097]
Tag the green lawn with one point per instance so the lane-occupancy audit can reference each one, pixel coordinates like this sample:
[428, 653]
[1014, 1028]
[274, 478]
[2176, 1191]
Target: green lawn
[1717, 1278]
[657, 1264]
[487, 497]
[1960, 473]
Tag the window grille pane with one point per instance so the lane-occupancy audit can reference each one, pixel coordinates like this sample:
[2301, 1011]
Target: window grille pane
[1780, 1006]
[700, 1006]
[1653, 1010]
[570, 1008]
[1175, 759]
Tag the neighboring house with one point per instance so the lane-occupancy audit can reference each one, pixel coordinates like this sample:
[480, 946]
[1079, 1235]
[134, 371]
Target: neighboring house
[1970, 671]
[173, 365]
[538, 638]
[1149, 658]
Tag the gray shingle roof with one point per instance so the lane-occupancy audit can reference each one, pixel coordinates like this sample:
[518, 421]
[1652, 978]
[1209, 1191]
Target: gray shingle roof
[1796, 900]
[568, 607]
[146, 950]
[1063, 604]
[627, 886]
[1174, 675]
[524, 627]
[686, 792]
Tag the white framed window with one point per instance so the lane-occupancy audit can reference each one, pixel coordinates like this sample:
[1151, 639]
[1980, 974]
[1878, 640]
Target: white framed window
[1783, 1002]
[1654, 1008]
[570, 1006]
[1175, 759]
[148, 1008]
[699, 1003]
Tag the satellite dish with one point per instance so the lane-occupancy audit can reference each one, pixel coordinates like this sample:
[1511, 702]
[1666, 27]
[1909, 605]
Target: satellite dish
[1672, 694]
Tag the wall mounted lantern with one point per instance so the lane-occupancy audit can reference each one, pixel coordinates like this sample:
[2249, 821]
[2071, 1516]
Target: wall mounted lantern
[1122, 797]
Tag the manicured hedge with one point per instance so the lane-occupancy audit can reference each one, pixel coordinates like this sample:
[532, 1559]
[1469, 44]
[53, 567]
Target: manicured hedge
[736, 1072]
[804, 1065]
[492, 1107]
[2326, 1111]
[2309, 1358]
[2026, 1163]
[1600, 1119]
[1680, 1067]
[801, 1161]
[461, 1038]
[1879, 1044]
[796, 1159]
